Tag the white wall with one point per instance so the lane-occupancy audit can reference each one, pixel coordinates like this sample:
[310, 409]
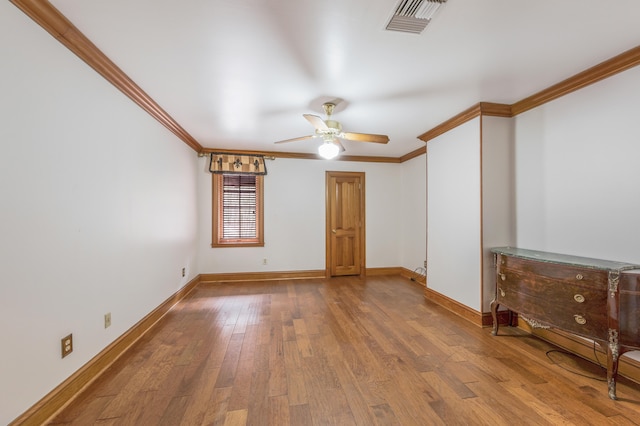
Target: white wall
[295, 218]
[453, 200]
[578, 175]
[413, 213]
[471, 208]
[498, 197]
[97, 209]
[577, 171]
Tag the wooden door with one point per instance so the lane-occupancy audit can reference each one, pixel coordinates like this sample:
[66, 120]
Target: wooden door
[345, 223]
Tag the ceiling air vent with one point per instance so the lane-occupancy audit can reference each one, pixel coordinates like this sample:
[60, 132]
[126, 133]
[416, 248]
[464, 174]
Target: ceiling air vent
[412, 16]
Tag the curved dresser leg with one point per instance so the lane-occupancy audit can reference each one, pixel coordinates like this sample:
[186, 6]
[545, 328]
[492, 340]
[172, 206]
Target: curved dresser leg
[494, 315]
[611, 383]
[613, 353]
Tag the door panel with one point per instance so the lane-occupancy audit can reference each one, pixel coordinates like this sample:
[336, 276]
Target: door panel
[345, 223]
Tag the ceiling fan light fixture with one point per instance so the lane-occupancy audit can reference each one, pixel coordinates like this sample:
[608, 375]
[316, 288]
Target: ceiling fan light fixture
[328, 150]
[330, 131]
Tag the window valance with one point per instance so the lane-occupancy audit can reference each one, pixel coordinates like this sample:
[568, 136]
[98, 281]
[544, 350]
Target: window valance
[225, 162]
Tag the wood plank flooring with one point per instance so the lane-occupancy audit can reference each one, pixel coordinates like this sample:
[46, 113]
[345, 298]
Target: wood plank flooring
[342, 351]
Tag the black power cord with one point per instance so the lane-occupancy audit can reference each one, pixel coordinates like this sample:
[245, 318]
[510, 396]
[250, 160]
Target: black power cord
[419, 272]
[600, 379]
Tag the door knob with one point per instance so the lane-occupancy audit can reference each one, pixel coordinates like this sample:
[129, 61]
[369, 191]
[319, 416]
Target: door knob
[334, 231]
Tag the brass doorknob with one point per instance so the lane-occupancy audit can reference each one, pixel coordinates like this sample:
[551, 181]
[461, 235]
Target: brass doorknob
[334, 231]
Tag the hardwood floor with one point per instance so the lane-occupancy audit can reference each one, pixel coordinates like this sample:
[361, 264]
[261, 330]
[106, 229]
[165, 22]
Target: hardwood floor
[339, 352]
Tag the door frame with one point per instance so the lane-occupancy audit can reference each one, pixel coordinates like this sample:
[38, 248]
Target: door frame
[328, 175]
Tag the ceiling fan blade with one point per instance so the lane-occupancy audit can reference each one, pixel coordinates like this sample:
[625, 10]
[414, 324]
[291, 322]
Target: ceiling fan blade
[316, 121]
[301, 138]
[365, 137]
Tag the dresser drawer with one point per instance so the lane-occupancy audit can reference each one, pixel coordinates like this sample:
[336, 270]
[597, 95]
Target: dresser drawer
[577, 308]
[559, 273]
[588, 296]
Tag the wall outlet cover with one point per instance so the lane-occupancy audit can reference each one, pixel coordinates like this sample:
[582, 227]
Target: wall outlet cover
[66, 345]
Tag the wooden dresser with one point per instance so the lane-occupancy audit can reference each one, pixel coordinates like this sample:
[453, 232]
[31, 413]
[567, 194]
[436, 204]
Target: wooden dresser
[593, 298]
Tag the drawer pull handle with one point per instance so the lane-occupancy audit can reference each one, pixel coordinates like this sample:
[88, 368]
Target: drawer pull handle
[502, 293]
[579, 277]
[579, 298]
[580, 319]
[503, 277]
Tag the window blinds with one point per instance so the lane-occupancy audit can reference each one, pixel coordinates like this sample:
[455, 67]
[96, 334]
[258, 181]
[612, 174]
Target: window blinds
[239, 204]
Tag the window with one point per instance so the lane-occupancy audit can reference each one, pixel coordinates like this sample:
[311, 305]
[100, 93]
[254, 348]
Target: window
[237, 210]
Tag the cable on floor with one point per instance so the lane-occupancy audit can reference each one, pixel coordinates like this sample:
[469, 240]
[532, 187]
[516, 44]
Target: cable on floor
[419, 272]
[600, 379]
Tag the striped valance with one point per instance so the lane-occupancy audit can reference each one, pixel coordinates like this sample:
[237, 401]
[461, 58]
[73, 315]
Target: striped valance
[225, 162]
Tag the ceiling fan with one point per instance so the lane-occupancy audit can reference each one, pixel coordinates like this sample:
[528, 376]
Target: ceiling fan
[331, 132]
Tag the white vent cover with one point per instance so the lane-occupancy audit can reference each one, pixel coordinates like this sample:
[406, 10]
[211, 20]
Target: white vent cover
[412, 16]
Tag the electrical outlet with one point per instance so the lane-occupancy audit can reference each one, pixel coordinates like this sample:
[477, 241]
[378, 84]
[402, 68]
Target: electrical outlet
[107, 320]
[264, 261]
[425, 264]
[184, 271]
[66, 345]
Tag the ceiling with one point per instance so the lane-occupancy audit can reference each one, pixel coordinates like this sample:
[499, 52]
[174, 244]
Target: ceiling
[239, 74]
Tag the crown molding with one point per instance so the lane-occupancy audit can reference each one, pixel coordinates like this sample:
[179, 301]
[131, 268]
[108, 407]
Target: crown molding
[50, 18]
[451, 123]
[495, 109]
[302, 156]
[481, 108]
[603, 70]
[413, 154]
